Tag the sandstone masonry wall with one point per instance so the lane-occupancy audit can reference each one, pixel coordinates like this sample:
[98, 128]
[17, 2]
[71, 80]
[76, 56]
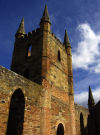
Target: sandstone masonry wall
[81, 117]
[9, 83]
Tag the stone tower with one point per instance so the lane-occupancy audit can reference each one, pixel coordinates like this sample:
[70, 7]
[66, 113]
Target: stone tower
[41, 57]
[30, 54]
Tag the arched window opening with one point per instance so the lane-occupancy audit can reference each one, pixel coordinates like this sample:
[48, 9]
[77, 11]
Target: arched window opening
[59, 57]
[16, 114]
[29, 50]
[60, 129]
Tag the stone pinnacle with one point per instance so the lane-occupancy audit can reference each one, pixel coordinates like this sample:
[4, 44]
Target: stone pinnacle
[66, 39]
[21, 29]
[45, 16]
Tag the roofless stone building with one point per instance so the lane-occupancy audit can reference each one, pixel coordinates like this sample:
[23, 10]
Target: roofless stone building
[36, 95]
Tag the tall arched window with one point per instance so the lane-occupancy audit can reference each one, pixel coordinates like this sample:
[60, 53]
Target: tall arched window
[60, 129]
[16, 114]
[59, 57]
[29, 51]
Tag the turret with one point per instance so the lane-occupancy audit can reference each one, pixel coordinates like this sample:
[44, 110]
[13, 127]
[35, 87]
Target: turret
[67, 43]
[21, 30]
[69, 62]
[66, 40]
[45, 23]
[70, 81]
[18, 53]
[91, 102]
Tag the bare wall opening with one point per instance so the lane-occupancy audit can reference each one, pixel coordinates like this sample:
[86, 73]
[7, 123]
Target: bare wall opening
[60, 129]
[29, 50]
[59, 56]
[16, 114]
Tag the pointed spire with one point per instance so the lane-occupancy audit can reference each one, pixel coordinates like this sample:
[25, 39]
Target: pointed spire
[45, 16]
[91, 102]
[66, 39]
[21, 29]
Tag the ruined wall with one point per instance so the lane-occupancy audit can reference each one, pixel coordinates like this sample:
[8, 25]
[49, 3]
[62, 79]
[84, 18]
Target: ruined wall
[48, 61]
[14, 88]
[46, 64]
[81, 117]
[28, 62]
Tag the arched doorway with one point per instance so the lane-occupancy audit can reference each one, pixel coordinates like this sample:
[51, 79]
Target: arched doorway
[60, 129]
[16, 114]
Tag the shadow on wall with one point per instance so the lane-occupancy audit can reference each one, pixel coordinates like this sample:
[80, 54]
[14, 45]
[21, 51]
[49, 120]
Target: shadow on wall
[82, 128]
[16, 114]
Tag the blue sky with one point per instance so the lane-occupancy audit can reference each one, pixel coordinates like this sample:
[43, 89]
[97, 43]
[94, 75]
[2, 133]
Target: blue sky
[81, 18]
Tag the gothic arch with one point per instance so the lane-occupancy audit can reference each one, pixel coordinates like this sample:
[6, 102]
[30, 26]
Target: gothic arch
[29, 50]
[16, 114]
[60, 129]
